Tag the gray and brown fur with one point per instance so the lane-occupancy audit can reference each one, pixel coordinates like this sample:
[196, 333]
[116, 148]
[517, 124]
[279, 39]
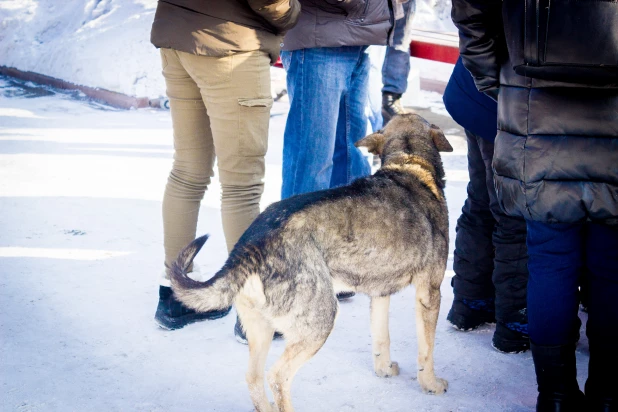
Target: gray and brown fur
[376, 236]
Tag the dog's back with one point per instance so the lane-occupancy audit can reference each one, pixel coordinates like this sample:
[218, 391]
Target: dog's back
[372, 235]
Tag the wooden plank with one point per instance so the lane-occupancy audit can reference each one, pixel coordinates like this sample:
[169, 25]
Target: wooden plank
[114, 99]
[432, 85]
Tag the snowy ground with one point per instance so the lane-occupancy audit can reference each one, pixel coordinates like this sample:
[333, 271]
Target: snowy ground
[80, 250]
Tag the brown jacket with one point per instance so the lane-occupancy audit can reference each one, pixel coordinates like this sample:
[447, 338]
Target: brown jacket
[223, 27]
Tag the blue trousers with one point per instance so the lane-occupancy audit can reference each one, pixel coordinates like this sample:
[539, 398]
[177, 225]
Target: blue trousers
[396, 66]
[558, 255]
[327, 88]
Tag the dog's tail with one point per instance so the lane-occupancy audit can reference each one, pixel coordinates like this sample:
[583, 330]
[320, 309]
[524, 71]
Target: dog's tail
[214, 294]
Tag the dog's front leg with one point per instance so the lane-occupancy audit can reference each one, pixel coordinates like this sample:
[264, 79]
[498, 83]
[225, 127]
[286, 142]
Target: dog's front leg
[427, 309]
[382, 364]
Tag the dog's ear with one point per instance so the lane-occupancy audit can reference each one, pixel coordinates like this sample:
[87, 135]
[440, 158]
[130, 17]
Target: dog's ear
[439, 139]
[374, 143]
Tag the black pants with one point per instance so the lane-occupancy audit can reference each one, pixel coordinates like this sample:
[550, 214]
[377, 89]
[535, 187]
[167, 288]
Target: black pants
[490, 247]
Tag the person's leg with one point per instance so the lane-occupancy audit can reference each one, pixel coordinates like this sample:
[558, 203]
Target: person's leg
[194, 157]
[602, 326]
[474, 251]
[510, 273]
[236, 91]
[374, 94]
[190, 176]
[348, 162]
[316, 81]
[396, 66]
[556, 253]
[556, 256]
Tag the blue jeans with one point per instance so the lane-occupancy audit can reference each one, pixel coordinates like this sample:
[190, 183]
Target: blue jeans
[396, 66]
[327, 88]
[558, 255]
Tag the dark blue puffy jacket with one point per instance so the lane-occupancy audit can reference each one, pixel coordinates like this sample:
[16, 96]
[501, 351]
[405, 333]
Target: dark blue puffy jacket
[470, 108]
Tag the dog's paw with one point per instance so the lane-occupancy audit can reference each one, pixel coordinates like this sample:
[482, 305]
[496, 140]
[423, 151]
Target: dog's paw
[435, 386]
[388, 370]
[272, 408]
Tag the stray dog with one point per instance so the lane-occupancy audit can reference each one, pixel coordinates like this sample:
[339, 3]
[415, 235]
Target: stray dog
[375, 236]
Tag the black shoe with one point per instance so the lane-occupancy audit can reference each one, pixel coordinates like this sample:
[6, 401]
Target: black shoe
[601, 391]
[239, 332]
[171, 314]
[556, 376]
[511, 337]
[391, 106]
[344, 295]
[560, 403]
[597, 402]
[241, 336]
[467, 314]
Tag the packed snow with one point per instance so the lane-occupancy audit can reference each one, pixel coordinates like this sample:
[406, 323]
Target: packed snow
[81, 247]
[80, 252]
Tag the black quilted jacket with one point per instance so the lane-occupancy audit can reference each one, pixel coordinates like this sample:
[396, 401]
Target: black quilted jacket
[556, 151]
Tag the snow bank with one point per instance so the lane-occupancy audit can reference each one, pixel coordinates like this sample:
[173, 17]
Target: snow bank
[434, 15]
[106, 43]
[97, 43]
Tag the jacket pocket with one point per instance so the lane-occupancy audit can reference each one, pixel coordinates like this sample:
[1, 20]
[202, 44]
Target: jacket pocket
[365, 9]
[564, 40]
[344, 7]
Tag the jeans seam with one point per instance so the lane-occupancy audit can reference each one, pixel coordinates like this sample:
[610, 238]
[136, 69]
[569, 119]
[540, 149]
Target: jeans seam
[347, 137]
[300, 57]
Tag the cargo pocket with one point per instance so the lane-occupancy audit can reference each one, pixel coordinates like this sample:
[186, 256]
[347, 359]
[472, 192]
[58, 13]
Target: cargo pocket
[163, 60]
[253, 122]
[265, 103]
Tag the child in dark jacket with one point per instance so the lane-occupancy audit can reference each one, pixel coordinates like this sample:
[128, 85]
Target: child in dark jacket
[491, 259]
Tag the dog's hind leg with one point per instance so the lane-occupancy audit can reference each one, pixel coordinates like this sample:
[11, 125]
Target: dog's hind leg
[312, 324]
[427, 309]
[259, 337]
[382, 364]
[280, 376]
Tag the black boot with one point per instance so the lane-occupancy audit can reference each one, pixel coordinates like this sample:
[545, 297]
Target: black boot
[469, 314]
[171, 314]
[391, 106]
[511, 337]
[556, 375]
[601, 389]
[241, 336]
[345, 295]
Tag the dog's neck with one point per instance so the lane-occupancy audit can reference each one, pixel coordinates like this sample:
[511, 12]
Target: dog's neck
[417, 166]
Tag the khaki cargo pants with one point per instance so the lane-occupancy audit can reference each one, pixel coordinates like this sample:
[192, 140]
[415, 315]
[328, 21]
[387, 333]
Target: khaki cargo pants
[220, 109]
